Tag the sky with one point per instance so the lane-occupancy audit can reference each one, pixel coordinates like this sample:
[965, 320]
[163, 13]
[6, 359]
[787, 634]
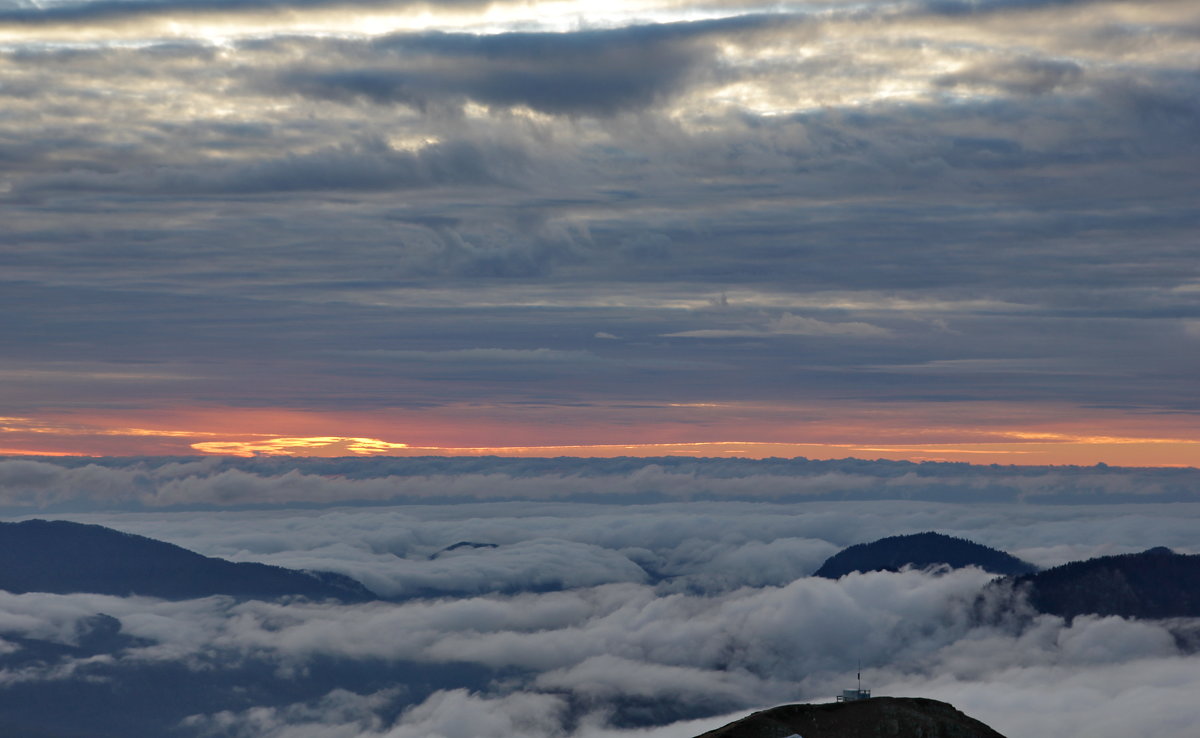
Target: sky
[959, 230]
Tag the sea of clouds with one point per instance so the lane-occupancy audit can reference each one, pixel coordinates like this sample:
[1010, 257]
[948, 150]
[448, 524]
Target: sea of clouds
[649, 614]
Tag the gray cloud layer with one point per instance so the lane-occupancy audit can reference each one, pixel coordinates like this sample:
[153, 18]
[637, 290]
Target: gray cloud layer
[735, 624]
[234, 483]
[875, 190]
[598, 73]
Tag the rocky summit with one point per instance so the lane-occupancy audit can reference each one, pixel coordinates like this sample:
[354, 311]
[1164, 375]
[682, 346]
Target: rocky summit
[879, 717]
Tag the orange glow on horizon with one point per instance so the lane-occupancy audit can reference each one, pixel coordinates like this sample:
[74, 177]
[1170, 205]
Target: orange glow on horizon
[315, 446]
[28, 452]
[1121, 452]
[1136, 454]
[1018, 438]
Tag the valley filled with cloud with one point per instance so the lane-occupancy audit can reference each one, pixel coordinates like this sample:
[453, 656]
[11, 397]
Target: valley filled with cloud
[554, 612]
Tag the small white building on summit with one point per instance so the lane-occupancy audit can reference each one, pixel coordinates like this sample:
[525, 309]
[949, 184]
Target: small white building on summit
[853, 695]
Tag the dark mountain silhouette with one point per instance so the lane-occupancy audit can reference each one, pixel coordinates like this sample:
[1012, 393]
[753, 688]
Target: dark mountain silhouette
[63, 557]
[893, 717]
[921, 550]
[1157, 583]
[462, 545]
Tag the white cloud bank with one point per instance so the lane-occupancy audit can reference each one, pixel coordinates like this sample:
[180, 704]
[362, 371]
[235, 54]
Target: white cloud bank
[648, 620]
[224, 482]
[576, 659]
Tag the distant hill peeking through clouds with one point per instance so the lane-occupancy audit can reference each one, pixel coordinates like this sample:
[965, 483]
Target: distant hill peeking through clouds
[568, 618]
[64, 557]
[921, 551]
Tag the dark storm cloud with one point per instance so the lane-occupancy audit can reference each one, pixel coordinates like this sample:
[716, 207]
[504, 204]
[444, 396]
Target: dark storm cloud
[579, 73]
[102, 11]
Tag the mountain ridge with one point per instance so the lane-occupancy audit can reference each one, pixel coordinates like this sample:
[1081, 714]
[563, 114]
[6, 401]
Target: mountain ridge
[921, 550]
[1154, 584]
[64, 557]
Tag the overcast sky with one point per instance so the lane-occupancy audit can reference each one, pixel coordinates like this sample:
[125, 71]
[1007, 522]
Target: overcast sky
[929, 229]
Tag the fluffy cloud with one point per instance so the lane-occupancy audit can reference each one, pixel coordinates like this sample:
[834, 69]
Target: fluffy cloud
[225, 482]
[623, 653]
[588, 620]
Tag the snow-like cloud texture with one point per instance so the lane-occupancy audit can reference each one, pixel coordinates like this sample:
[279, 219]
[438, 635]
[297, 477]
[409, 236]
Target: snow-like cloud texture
[615, 620]
[149, 483]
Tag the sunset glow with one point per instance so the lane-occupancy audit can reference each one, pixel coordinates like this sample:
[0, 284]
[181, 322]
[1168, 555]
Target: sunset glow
[1139, 452]
[226, 433]
[530, 368]
[884, 229]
